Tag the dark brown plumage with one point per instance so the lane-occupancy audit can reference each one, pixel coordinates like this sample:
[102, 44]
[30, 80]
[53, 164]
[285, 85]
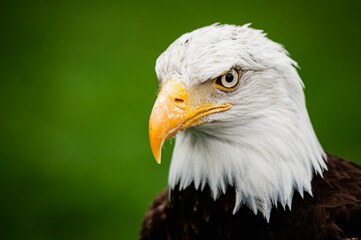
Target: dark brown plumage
[333, 212]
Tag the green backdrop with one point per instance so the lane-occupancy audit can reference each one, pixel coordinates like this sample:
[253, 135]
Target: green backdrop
[77, 85]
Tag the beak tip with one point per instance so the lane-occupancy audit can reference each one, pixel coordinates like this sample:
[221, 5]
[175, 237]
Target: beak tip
[156, 146]
[157, 154]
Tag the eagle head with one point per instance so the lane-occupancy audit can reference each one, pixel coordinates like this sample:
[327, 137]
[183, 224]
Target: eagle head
[234, 101]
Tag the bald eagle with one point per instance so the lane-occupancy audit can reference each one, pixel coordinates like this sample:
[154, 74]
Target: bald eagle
[246, 163]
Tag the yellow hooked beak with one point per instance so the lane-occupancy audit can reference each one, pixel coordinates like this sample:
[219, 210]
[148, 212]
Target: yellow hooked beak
[173, 112]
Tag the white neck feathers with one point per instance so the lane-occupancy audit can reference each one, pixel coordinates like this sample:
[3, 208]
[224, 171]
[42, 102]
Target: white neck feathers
[265, 160]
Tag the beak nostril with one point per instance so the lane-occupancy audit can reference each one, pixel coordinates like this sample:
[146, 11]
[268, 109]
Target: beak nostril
[178, 100]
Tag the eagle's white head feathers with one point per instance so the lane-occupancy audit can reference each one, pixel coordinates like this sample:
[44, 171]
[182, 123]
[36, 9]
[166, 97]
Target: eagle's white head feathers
[264, 145]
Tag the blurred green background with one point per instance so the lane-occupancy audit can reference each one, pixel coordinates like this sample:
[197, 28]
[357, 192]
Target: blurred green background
[77, 85]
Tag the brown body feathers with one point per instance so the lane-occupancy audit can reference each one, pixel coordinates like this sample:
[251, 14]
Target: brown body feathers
[333, 212]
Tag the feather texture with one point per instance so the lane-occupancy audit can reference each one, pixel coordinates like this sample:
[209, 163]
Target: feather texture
[257, 170]
[332, 212]
[264, 145]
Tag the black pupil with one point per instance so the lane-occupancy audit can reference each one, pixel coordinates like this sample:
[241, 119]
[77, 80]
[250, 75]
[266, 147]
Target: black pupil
[229, 77]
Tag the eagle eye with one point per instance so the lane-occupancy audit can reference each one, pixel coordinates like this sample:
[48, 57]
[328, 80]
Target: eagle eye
[229, 80]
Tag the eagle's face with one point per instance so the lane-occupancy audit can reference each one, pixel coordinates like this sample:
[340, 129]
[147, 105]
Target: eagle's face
[234, 100]
[219, 78]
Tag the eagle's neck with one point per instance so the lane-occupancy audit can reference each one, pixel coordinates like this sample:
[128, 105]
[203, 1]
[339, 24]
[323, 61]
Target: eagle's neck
[265, 166]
